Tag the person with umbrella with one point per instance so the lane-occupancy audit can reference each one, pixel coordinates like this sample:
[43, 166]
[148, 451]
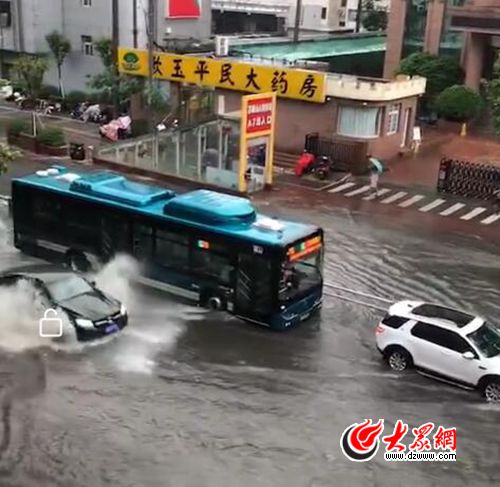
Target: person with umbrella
[376, 169]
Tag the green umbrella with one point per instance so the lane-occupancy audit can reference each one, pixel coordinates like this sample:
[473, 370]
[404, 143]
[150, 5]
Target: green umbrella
[377, 165]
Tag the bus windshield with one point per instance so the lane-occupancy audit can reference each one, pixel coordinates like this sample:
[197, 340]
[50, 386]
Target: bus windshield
[301, 271]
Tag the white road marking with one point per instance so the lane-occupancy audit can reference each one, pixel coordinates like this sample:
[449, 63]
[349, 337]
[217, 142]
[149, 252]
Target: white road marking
[432, 205]
[340, 188]
[452, 209]
[380, 193]
[491, 219]
[394, 197]
[411, 201]
[472, 214]
[363, 189]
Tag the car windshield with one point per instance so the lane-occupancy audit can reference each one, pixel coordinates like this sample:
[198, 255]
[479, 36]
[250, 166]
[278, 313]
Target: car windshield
[300, 275]
[487, 340]
[68, 288]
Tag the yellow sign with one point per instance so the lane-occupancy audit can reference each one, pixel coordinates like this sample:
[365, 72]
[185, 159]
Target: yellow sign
[226, 74]
[258, 118]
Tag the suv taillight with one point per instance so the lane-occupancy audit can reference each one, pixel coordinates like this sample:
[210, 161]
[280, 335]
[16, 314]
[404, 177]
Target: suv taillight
[380, 329]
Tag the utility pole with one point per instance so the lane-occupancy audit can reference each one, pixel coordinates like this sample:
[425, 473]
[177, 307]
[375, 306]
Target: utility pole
[151, 27]
[298, 12]
[359, 15]
[134, 22]
[116, 41]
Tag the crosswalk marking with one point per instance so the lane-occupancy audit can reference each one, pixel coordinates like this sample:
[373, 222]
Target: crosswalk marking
[340, 188]
[411, 201]
[472, 214]
[394, 197]
[405, 200]
[380, 192]
[452, 209]
[432, 205]
[363, 189]
[491, 219]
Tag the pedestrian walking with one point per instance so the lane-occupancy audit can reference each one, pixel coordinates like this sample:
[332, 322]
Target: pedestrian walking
[376, 169]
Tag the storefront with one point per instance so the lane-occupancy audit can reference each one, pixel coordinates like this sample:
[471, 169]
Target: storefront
[377, 111]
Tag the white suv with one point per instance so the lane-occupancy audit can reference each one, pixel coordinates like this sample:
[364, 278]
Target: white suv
[443, 343]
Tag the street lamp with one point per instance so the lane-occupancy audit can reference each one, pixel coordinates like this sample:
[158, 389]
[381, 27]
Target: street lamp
[4, 23]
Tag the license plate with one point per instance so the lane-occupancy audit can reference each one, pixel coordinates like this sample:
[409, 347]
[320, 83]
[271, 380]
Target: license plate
[112, 328]
[305, 316]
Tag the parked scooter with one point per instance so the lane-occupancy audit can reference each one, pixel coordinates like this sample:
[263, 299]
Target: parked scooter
[320, 166]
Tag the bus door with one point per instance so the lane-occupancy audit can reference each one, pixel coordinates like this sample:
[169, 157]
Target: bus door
[115, 235]
[254, 287]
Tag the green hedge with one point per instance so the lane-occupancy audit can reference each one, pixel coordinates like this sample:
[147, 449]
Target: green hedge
[52, 137]
[17, 127]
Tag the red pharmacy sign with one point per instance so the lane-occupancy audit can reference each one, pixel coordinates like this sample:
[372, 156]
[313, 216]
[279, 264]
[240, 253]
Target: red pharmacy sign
[260, 115]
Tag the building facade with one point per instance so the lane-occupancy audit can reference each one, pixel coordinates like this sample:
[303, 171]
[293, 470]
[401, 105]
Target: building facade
[83, 22]
[250, 16]
[470, 28]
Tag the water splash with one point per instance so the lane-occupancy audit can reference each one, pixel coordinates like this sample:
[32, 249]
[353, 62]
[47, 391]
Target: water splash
[116, 279]
[21, 308]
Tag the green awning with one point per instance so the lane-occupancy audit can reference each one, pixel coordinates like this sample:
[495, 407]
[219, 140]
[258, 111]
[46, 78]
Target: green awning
[288, 51]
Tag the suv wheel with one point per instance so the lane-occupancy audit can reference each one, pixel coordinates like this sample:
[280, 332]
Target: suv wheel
[398, 359]
[491, 390]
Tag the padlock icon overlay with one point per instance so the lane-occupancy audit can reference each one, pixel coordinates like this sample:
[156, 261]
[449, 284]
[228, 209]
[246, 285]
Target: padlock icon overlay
[51, 326]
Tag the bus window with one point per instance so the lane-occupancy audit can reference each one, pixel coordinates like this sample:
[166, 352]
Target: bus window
[211, 265]
[47, 215]
[299, 276]
[143, 241]
[115, 235]
[81, 223]
[171, 253]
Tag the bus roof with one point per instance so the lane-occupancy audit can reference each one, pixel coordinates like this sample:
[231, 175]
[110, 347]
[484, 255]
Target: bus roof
[218, 212]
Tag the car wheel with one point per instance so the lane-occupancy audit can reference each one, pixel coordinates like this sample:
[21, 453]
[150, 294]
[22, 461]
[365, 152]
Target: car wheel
[491, 391]
[398, 359]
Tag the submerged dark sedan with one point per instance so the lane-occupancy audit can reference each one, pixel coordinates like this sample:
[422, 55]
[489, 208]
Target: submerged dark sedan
[93, 313]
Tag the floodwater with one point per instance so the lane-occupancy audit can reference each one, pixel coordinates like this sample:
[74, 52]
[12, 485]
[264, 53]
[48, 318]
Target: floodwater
[183, 398]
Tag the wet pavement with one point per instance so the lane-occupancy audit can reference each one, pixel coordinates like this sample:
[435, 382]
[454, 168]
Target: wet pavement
[184, 398]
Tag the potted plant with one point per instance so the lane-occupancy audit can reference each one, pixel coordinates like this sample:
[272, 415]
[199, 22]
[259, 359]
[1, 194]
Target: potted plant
[51, 141]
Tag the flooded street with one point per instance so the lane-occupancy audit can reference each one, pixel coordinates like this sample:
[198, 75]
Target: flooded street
[184, 398]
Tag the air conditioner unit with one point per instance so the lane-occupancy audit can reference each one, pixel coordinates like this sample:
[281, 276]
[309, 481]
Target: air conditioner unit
[221, 46]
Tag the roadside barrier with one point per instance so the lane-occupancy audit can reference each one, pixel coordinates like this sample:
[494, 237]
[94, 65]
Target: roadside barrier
[463, 178]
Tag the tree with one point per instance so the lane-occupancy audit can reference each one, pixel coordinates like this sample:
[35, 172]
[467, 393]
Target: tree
[374, 17]
[441, 72]
[60, 47]
[7, 155]
[459, 104]
[30, 71]
[493, 89]
[107, 81]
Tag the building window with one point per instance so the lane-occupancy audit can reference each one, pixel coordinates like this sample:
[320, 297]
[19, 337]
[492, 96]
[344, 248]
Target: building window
[341, 23]
[86, 3]
[323, 13]
[5, 15]
[363, 122]
[393, 114]
[343, 3]
[87, 46]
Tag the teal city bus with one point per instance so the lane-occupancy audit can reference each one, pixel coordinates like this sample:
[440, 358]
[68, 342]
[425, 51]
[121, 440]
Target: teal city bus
[209, 247]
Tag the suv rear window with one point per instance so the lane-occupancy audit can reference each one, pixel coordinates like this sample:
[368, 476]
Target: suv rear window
[394, 321]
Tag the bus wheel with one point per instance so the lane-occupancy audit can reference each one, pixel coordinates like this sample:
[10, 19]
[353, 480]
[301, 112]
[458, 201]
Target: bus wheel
[216, 303]
[77, 261]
